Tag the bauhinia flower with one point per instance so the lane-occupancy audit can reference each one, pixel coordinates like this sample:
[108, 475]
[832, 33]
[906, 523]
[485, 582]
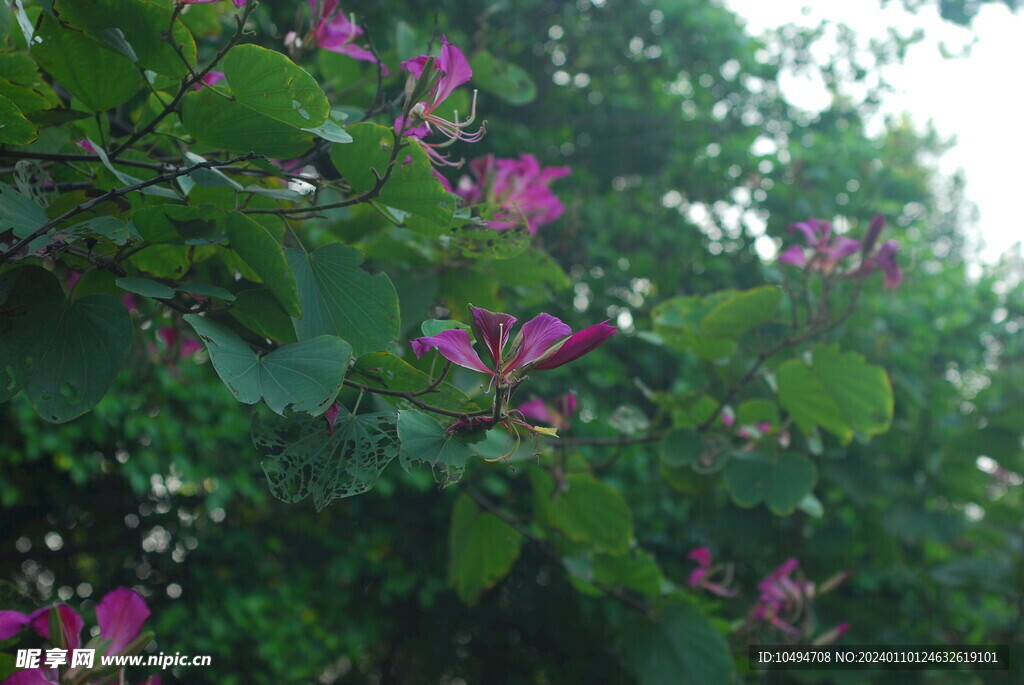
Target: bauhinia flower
[120, 615]
[332, 30]
[543, 343]
[824, 251]
[784, 601]
[447, 72]
[701, 577]
[520, 187]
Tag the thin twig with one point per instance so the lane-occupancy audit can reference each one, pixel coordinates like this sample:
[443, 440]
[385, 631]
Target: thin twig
[118, 192]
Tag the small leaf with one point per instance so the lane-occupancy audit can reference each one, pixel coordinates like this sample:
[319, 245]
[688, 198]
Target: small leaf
[424, 440]
[303, 377]
[205, 290]
[15, 129]
[146, 288]
[258, 248]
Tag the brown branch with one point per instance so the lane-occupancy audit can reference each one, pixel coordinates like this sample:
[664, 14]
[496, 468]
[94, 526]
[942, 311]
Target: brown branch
[412, 397]
[118, 192]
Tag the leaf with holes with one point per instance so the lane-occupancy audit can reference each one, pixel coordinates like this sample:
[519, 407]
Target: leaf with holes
[303, 377]
[64, 353]
[303, 458]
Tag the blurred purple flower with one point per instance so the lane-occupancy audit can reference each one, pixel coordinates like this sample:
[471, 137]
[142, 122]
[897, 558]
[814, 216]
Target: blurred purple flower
[557, 414]
[520, 187]
[543, 343]
[701, 576]
[333, 31]
[211, 78]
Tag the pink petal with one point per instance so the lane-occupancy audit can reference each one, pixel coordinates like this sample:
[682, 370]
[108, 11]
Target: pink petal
[11, 623]
[121, 614]
[33, 676]
[536, 338]
[454, 345]
[702, 555]
[579, 344]
[794, 256]
[567, 404]
[492, 329]
[697, 576]
[71, 624]
[536, 410]
[455, 71]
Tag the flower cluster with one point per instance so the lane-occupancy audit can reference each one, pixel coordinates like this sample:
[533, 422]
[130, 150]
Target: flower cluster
[543, 343]
[120, 615]
[519, 187]
[444, 74]
[784, 601]
[825, 252]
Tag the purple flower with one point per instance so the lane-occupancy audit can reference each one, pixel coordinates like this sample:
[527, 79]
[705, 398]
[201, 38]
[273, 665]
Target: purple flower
[120, 615]
[450, 70]
[885, 259]
[826, 250]
[333, 31]
[782, 598]
[518, 186]
[701, 577]
[557, 414]
[543, 343]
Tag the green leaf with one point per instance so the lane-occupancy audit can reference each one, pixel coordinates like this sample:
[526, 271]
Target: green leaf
[258, 248]
[484, 243]
[134, 28]
[482, 550]
[741, 311]
[15, 129]
[782, 483]
[220, 123]
[424, 440]
[303, 458]
[180, 224]
[98, 76]
[64, 353]
[507, 81]
[383, 370]
[837, 391]
[19, 213]
[131, 180]
[259, 311]
[303, 377]
[109, 227]
[339, 298]
[412, 186]
[146, 288]
[533, 275]
[681, 447]
[594, 512]
[206, 290]
[330, 130]
[637, 571]
[432, 327]
[163, 261]
[270, 84]
[678, 323]
[681, 647]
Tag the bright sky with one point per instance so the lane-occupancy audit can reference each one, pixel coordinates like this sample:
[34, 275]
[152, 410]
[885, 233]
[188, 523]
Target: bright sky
[979, 99]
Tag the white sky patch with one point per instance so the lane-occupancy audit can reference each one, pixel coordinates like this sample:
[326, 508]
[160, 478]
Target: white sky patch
[976, 98]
